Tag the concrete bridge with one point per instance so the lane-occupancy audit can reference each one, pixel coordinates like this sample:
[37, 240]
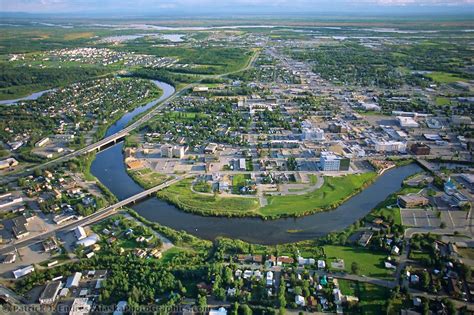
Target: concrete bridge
[95, 217]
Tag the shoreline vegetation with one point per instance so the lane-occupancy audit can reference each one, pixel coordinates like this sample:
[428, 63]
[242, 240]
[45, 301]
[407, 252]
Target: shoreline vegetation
[334, 192]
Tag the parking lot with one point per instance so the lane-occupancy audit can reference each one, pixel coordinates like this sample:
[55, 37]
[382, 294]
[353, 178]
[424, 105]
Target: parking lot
[420, 218]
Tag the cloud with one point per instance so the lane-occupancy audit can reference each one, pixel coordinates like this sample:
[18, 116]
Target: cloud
[209, 5]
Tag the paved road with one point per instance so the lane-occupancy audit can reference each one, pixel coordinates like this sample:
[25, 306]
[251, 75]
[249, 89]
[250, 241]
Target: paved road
[122, 133]
[97, 216]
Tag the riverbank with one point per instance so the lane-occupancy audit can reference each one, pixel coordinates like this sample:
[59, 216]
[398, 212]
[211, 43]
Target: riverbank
[334, 192]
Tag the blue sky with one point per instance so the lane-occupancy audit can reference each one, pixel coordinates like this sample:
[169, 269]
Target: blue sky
[233, 6]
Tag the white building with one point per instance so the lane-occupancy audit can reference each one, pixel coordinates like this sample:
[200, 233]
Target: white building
[23, 271]
[407, 122]
[269, 278]
[88, 241]
[390, 146]
[316, 134]
[42, 142]
[329, 161]
[80, 306]
[80, 233]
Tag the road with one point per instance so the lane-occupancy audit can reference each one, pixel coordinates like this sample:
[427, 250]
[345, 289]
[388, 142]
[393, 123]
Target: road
[97, 216]
[122, 133]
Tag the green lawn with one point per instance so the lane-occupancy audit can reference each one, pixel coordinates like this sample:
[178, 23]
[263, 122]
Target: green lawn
[333, 192]
[370, 263]
[444, 77]
[442, 101]
[239, 181]
[182, 196]
[147, 178]
[372, 298]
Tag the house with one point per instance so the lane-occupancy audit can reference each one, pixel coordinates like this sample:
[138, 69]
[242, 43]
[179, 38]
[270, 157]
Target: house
[414, 279]
[395, 250]
[219, 311]
[269, 278]
[299, 300]
[321, 264]
[210, 148]
[80, 306]
[365, 238]
[23, 271]
[9, 258]
[7, 163]
[73, 280]
[42, 142]
[50, 293]
[88, 241]
[80, 233]
[337, 296]
[20, 225]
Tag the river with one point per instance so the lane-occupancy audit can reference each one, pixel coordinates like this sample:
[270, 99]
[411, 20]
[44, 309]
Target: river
[109, 168]
[31, 97]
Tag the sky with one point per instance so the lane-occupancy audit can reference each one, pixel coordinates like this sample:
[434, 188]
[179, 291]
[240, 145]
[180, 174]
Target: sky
[148, 7]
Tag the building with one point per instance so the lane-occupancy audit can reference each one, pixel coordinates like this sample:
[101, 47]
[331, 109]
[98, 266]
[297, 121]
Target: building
[42, 142]
[120, 308]
[220, 311]
[210, 148]
[50, 293]
[88, 241]
[412, 201]
[200, 89]
[390, 146]
[332, 162]
[269, 279]
[8, 200]
[80, 233]
[365, 238]
[311, 133]
[450, 187]
[23, 271]
[459, 199]
[73, 280]
[337, 127]
[80, 306]
[242, 166]
[420, 149]
[9, 258]
[20, 225]
[407, 122]
[7, 163]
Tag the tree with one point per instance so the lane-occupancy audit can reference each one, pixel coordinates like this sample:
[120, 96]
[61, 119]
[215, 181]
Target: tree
[245, 309]
[202, 302]
[355, 267]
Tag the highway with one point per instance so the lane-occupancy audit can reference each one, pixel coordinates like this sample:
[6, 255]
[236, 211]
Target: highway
[122, 133]
[97, 216]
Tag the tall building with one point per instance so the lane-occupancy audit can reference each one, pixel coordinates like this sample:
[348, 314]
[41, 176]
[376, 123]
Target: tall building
[332, 162]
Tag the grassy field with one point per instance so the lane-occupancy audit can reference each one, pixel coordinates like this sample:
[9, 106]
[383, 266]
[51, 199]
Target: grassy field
[181, 195]
[147, 178]
[442, 101]
[372, 298]
[333, 192]
[370, 263]
[444, 77]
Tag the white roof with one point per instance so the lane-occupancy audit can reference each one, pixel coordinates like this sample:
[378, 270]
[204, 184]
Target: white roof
[220, 311]
[80, 233]
[23, 271]
[88, 241]
[73, 281]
